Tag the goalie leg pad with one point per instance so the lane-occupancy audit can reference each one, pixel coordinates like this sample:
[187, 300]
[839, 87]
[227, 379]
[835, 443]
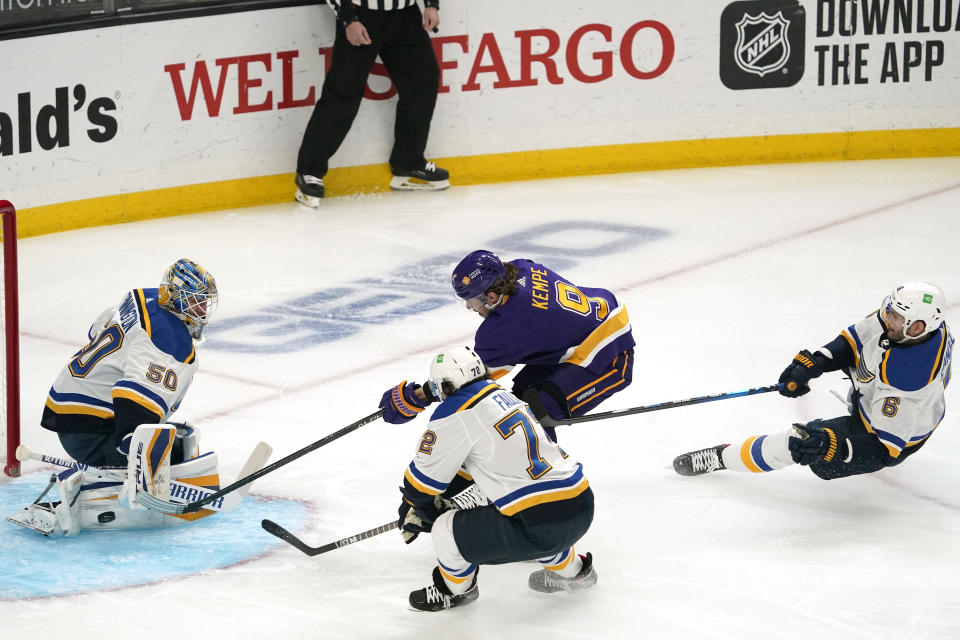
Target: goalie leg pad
[69, 483]
[148, 462]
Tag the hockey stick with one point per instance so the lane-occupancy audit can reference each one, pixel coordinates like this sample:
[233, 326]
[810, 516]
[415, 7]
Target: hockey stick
[258, 457]
[157, 504]
[547, 421]
[286, 536]
[469, 498]
[25, 453]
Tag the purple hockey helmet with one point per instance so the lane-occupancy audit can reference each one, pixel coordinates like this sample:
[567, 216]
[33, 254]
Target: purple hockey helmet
[476, 273]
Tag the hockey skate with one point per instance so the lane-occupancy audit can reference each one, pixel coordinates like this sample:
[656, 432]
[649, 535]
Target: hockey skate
[40, 517]
[547, 581]
[309, 190]
[428, 178]
[437, 596]
[697, 463]
[57, 517]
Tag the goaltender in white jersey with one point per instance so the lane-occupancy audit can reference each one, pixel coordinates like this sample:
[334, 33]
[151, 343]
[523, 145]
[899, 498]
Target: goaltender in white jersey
[542, 502]
[108, 404]
[898, 360]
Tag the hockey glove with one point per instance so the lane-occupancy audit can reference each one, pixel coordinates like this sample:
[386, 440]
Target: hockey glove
[813, 444]
[416, 520]
[795, 378]
[401, 403]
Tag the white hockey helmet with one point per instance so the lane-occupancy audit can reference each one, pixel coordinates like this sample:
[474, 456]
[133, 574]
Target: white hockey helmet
[918, 301]
[453, 368]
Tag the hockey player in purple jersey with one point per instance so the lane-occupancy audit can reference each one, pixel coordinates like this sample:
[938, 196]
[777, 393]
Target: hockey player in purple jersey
[575, 342]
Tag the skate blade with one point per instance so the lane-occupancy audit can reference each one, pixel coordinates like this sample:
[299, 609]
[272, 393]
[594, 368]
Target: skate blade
[400, 183]
[311, 201]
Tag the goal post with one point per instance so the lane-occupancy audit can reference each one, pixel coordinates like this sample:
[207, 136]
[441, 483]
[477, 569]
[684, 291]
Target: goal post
[10, 319]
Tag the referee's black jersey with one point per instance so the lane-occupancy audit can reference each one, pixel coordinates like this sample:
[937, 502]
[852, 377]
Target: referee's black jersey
[346, 12]
[379, 5]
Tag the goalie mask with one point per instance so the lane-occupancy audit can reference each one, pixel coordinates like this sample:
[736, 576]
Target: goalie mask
[476, 273]
[190, 293]
[917, 301]
[453, 369]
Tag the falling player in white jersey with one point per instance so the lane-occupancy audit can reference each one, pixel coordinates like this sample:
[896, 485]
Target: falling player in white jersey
[541, 501]
[898, 360]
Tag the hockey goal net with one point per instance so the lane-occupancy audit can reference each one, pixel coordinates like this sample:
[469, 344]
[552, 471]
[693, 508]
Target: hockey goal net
[10, 353]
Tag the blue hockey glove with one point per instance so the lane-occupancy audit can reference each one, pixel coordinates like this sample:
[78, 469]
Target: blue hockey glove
[401, 403]
[813, 444]
[795, 378]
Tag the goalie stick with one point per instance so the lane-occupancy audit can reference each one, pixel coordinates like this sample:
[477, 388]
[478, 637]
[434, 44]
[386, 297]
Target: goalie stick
[289, 538]
[25, 453]
[258, 457]
[152, 502]
[547, 421]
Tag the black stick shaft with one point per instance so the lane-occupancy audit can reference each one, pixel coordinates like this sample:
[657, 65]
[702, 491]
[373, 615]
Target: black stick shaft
[667, 405]
[289, 538]
[195, 506]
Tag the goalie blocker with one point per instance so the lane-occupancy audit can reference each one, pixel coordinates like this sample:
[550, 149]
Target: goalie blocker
[105, 498]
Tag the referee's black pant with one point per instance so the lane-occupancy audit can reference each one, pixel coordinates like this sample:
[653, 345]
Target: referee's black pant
[403, 45]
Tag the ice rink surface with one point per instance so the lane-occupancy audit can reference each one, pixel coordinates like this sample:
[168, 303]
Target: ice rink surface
[726, 273]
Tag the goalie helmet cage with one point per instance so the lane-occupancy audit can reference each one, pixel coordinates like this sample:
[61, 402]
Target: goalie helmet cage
[9, 318]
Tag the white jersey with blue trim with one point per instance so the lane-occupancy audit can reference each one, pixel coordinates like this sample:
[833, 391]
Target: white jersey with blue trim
[491, 434]
[137, 351]
[901, 387]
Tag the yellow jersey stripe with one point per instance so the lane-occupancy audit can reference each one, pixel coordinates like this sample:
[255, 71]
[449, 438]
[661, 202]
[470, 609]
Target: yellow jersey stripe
[72, 409]
[939, 358]
[142, 308]
[883, 367]
[143, 401]
[544, 498]
[490, 388]
[496, 374]
[853, 346]
[616, 323]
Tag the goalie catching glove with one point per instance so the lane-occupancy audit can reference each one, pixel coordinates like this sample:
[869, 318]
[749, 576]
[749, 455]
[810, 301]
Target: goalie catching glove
[794, 381]
[402, 403]
[415, 520]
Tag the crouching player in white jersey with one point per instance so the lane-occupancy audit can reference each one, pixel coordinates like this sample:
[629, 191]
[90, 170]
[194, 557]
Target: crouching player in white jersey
[541, 501]
[898, 360]
[135, 370]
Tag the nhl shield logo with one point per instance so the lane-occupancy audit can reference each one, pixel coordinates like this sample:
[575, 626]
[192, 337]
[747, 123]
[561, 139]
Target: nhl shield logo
[762, 44]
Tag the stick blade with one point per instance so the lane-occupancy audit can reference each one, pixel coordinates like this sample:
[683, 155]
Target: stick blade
[156, 504]
[273, 528]
[258, 457]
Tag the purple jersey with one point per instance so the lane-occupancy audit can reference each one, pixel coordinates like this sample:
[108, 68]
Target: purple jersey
[551, 321]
